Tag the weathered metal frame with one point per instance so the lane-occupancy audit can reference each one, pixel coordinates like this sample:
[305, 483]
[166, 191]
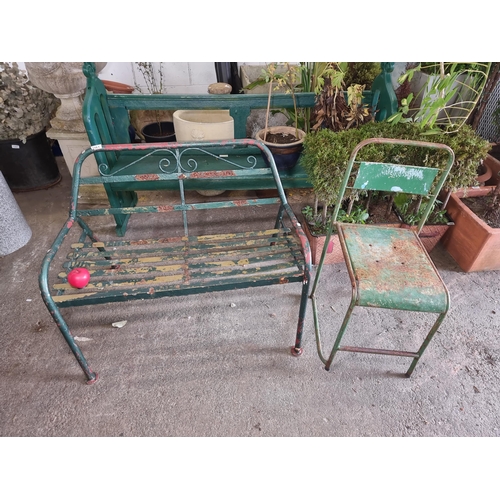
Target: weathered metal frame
[435, 189]
[178, 173]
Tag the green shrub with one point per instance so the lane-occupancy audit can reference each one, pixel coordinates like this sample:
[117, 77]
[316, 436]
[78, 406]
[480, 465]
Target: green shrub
[326, 154]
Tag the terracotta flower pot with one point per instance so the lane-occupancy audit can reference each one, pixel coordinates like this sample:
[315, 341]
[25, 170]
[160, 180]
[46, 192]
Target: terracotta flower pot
[493, 164]
[473, 244]
[485, 175]
[334, 253]
[117, 87]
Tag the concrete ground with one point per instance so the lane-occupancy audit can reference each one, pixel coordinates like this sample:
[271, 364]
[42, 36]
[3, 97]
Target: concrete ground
[219, 364]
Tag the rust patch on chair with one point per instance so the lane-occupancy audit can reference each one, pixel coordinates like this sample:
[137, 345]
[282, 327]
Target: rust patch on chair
[165, 208]
[389, 269]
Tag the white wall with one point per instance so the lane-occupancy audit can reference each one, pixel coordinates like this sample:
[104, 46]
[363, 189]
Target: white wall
[178, 77]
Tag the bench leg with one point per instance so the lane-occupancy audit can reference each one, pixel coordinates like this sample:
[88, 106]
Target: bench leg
[297, 349]
[63, 327]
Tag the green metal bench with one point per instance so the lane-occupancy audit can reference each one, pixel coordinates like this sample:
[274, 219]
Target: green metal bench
[106, 119]
[176, 264]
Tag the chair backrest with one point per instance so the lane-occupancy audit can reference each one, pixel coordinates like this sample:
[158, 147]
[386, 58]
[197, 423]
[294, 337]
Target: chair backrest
[396, 178]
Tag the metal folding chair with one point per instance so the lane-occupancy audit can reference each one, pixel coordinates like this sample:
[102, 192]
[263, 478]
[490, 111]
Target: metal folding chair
[388, 267]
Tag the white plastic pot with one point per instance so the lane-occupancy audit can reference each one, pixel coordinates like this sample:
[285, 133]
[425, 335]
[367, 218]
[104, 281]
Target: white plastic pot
[203, 125]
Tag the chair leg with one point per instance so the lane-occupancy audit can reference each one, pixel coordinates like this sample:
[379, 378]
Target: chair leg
[297, 349]
[328, 362]
[426, 343]
[342, 330]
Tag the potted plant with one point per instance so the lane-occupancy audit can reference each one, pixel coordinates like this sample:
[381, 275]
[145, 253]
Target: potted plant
[155, 125]
[117, 87]
[285, 142]
[473, 244]
[332, 110]
[443, 95]
[26, 158]
[338, 107]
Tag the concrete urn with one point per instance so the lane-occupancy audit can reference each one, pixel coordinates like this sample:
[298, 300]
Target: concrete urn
[67, 82]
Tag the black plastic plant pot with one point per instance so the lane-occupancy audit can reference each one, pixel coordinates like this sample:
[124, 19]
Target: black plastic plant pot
[153, 132]
[29, 166]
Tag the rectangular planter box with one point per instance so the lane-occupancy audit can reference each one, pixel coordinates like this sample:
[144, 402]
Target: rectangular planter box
[430, 235]
[473, 244]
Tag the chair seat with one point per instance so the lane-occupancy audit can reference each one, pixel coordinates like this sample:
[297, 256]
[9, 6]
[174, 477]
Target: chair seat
[391, 269]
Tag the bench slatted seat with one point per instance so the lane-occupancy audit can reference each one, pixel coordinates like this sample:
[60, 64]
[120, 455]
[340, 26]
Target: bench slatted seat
[175, 264]
[180, 266]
